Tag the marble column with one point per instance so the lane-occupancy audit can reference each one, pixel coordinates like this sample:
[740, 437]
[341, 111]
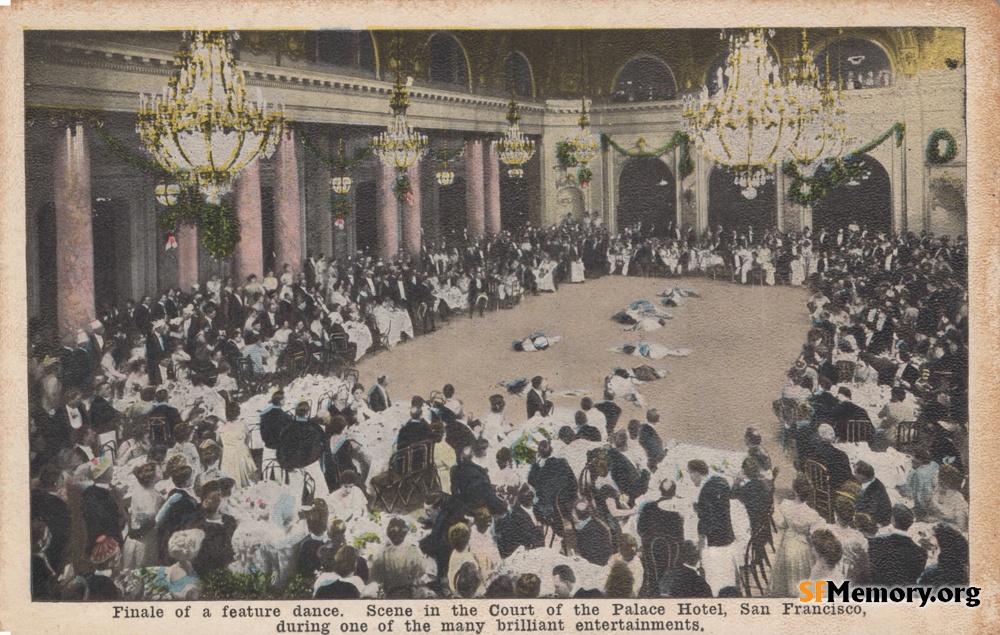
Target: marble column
[475, 202]
[411, 215]
[74, 231]
[249, 255]
[287, 210]
[387, 211]
[492, 191]
[187, 256]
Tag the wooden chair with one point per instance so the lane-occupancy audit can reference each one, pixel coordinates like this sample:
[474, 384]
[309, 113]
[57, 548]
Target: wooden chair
[482, 302]
[272, 471]
[755, 563]
[247, 377]
[308, 488]
[421, 315]
[907, 435]
[819, 478]
[248, 438]
[493, 294]
[110, 447]
[159, 431]
[411, 472]
[658, 555]
[859, 431]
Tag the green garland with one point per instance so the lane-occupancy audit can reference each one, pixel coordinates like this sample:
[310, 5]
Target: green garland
[338, 162]
[685, 164]
[401, 187]
[123, 152]
[806, 191]
[584, 175]
[950, 149]
[443, 156]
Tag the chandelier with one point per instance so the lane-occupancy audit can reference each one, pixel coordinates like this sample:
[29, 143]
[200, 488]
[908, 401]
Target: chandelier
[399, 146]
[584, 146]
[167, 193]
[341, 183]
[818, 112]
[514, 148]
[202, 128]
[747, 125]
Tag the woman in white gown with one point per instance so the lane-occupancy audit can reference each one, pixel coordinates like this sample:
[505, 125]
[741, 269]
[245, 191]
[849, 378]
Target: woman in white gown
[141, 547]
[543, 276]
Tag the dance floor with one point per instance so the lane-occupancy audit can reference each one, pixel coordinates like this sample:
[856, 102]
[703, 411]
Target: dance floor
[744, 339]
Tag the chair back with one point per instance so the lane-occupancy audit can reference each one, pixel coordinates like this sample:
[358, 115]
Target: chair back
[660, 554]
[907, 434]
[845, 371]
[822, 497]
[859, 431]
[159, 431]
[272, 471]
[110, 447]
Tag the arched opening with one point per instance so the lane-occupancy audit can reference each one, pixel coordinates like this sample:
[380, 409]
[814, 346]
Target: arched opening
[855, 64]
[716, 78]
[645, 78]
[447, 64]
[451, 205]
[727, 206]
[646, 195]
[517, 73]
[866, 201]
[344, 49]
[112, 273]
[366, 217]
[515, 206]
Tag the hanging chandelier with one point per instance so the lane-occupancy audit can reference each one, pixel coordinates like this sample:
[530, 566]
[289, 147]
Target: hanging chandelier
[202, 128]
[167, 193]
[747, 125]
[399, 146]
[340, 183]
[514, 148]
[584, 146]
[445, 176]
[819, 114]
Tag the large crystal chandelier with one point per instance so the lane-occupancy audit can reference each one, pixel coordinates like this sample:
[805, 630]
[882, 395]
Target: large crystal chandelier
[584, 146]
[818, 112]
[514, 148]
[747, 124]
[202, 128]
[399, 146]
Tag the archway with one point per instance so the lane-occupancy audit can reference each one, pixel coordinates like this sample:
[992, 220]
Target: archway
[646, 195]
[865, 201]
[345, 49]
[515, 210]
[570, 203]
[448, 63]
[517, 73]
[645, 78]
[728, 207]
[452, 208]
[112, 273]
[855, 64]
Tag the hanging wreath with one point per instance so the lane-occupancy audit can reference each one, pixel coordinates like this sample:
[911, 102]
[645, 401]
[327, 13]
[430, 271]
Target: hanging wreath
[341, 207]
[564, 156]
[584, 176]
[218, 226]
[934, 152]
[402, 187]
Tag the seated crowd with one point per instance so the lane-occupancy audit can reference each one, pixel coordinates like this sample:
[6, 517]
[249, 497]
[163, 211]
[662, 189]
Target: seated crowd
[141, 490]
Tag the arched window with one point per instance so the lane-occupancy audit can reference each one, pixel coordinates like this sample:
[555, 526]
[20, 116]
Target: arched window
[447, 60]
[856, 64]
[345, 49]
[517, 72]
[646, 78]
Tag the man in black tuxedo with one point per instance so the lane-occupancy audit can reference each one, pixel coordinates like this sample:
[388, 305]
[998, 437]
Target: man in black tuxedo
[61, 423]
[142, 316]
[517, 528]
[837, 465]
[103, 416]
[683, 580]
[306, 559]
[274, 420]
[414, 431]
[163, 410]
[470, 485]
[758, 498]
[611, 411]
[537, 404]
[378, 396]
[712, 505]
[565, 585]
[47, 506]
[593, 538]
[102, 510]
[584, 430]
[629, 479]
[157, 348]
[647, 437]
[555, 488]
[874, 500]
[895, 559]
[823, 402]
[846, 411]
[658, 519]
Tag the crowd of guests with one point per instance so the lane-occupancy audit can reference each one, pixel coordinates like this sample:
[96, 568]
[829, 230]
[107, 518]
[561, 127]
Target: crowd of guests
[137, 495]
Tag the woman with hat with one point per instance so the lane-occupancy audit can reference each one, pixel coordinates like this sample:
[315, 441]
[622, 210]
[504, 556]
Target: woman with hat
[140, 547]
[105, 556]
